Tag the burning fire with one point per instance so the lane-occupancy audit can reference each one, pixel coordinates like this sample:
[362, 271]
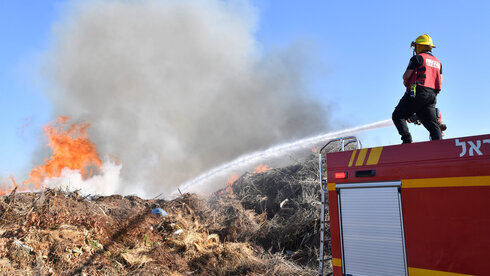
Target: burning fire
[262, 168]
[234, 177]
[71, 149]
[5, 188]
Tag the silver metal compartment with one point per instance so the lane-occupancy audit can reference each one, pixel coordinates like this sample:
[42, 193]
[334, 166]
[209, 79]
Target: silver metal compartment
[372, 235]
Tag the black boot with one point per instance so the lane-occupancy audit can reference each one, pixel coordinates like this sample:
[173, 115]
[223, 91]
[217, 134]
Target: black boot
[407, 139]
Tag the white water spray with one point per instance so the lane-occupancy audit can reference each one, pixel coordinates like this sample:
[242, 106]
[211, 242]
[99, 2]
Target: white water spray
[247, 160]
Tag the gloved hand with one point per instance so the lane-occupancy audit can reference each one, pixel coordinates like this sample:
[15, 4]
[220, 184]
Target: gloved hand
[414, 119]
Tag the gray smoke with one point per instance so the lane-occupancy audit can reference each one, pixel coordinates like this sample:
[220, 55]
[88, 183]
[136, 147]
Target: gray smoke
[176, 87]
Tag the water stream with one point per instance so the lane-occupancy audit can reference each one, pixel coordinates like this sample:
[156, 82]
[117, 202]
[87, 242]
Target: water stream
[245, 161]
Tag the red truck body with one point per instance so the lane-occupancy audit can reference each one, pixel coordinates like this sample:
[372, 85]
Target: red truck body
[444, 204]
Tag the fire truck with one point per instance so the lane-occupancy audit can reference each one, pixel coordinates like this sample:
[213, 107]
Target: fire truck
[411, 209]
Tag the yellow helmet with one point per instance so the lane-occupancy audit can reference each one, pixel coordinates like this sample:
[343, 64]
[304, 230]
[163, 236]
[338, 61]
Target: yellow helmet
[424, 39]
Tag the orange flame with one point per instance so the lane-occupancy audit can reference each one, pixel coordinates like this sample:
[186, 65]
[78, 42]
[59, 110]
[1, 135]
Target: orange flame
[71, 149]
[5, 187]
[234, 177]
[231, 180]
[262, 168]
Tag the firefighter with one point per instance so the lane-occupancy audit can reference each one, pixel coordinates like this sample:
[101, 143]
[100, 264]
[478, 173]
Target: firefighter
[423, 79]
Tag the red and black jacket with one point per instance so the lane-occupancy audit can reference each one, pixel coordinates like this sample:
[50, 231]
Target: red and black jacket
[428, 74]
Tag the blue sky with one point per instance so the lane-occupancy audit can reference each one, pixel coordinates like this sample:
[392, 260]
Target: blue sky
[362, 48]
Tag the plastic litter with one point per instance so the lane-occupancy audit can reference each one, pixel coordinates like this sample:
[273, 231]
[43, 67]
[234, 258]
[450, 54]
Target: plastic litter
[20, 244]
[178, 232]
[159, 211]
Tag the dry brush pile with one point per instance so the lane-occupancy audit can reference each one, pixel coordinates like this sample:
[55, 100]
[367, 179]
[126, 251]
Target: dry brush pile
[65, 234]
[267, 225]
[286, 206]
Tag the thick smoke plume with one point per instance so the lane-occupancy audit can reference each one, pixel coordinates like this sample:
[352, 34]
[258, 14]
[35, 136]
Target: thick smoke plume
[173, 88]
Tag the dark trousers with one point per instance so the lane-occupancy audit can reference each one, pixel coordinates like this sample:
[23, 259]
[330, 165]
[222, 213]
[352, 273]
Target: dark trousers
[424, 105]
